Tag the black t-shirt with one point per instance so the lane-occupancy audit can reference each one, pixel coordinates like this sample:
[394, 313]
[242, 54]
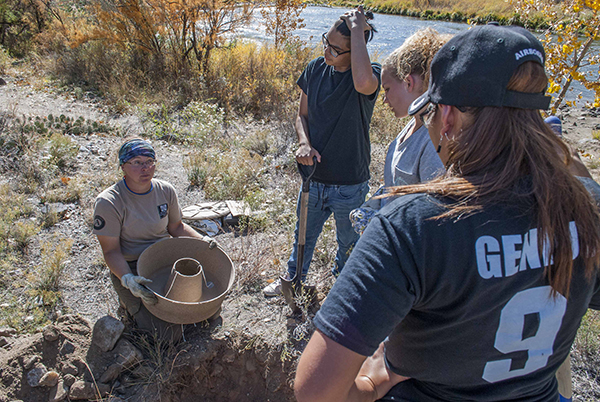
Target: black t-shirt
[338, 122]
[463, 304]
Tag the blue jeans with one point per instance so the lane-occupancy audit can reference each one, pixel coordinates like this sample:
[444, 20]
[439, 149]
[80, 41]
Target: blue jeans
[325, 199]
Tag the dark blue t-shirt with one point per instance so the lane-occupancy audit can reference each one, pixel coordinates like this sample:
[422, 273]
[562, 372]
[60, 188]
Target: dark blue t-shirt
[464, 305]
[338, 122]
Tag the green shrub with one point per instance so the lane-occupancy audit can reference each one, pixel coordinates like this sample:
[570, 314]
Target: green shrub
[63, 189]
[13, 208]
[5, 60]
[587, 341]
[61, 151]
[225, 174]
[196, 124]
[54, 254]
[22, 232]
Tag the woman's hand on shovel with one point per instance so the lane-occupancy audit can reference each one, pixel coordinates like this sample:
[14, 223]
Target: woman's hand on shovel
[305, 154]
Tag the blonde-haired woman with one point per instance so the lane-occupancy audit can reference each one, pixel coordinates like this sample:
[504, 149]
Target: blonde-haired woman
[411, 157]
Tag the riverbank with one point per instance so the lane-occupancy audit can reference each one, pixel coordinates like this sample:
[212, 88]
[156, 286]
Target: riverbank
[474, 12]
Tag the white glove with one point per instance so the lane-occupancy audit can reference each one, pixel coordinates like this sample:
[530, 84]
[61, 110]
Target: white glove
[212, 243]
[136, 285]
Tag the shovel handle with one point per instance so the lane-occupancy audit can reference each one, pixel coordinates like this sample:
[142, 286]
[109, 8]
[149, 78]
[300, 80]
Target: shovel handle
[306, 179]
[302, 221]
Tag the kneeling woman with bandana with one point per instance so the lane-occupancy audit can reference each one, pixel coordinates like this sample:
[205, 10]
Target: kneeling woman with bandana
[130, 216]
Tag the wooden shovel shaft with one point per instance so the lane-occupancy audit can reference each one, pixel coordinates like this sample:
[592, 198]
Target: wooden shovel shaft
[301, 236]
[293, 287]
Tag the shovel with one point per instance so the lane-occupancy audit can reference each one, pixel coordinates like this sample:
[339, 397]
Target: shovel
[292, 288]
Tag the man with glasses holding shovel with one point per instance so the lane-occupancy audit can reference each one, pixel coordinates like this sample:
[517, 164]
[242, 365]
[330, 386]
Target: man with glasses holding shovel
[339, 91]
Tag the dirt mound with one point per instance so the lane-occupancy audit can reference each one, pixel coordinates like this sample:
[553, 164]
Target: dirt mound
[61, 362]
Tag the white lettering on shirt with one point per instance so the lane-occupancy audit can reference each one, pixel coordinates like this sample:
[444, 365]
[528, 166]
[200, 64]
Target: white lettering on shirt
[514, 253]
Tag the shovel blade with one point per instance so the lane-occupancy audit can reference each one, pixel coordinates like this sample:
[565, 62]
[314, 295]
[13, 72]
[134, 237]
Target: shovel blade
[293, 291]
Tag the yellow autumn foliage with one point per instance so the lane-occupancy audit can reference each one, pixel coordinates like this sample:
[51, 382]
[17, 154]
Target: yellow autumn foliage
[574, 25]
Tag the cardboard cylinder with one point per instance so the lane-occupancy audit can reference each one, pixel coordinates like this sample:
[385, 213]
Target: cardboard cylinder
[185, 281]
[156, 263]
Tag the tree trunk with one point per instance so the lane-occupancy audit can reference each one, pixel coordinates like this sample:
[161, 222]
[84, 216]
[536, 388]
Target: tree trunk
[577, 62]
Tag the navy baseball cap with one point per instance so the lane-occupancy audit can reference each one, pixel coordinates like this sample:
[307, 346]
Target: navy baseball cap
[474, 67]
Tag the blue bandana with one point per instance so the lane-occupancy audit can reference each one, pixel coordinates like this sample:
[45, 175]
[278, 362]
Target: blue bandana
[133, 148]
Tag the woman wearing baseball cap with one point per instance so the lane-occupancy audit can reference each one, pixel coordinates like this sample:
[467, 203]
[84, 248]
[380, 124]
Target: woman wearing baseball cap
[471, 286]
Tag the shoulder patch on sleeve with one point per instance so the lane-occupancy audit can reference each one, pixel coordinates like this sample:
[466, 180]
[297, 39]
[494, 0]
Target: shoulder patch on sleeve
[99, 222]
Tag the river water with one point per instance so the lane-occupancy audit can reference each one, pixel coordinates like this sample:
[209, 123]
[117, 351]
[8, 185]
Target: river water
[392, 31]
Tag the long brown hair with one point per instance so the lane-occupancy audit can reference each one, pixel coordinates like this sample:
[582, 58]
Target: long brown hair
[489, 158]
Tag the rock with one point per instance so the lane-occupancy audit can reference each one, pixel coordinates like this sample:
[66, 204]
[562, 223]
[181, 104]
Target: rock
[205, 352]
[2, 81]
[217, 369]
[80, 364]
[69, 379]
[49, 379]
[111, 373]
[8, 331]
[142, 372]
[588, 142]
[69, 368]
[58, 393]
[75, 323]
[3, 341]
[107, 332]
[262, 354]
[274, 382]
[229, 356]
[67, 348]
[35, 375]
[50, 333]
[127, 354]
[82, 390]
[56, 207]
[250, 365]
[29, 363]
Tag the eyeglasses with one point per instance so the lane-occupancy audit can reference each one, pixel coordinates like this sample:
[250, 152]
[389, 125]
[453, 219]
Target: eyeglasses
[334, 51]
[139, 164]
[427, 116]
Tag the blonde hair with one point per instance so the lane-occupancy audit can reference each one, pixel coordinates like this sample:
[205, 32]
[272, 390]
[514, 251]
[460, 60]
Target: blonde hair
[415, 54]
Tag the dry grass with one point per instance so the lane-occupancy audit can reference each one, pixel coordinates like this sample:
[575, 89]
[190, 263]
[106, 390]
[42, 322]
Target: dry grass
[254, 79]
[225, 173]
[195, 124]
[463, 7]
[38, 155]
